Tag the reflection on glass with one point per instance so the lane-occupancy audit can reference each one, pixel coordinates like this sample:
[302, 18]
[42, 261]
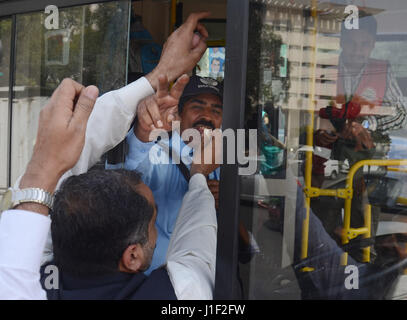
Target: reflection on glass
[5, 37]
[90, 47]
[327, 207]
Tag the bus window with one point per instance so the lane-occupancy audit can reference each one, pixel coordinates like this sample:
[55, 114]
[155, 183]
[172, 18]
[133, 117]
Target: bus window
[326, 208]
[90, 46]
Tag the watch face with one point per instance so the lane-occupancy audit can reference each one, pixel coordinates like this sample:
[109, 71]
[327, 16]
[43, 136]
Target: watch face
[5, 203]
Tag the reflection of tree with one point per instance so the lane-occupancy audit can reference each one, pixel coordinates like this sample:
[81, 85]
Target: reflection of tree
[97, 48]
[263, 57]
[109, 45]
[5, 36]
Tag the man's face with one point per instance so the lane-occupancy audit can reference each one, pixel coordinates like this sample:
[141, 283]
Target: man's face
[152, 230]
[202, 112]
[215, 66]
[356, 48]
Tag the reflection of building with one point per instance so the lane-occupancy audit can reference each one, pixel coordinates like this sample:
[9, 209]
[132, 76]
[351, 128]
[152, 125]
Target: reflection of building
[304, 52]
[313, 55]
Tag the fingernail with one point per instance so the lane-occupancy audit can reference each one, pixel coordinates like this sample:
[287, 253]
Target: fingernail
[170, 118]
[152, 127]
[160, 123]
[92, 92]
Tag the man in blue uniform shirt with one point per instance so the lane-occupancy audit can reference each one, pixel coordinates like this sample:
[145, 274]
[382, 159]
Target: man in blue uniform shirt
[200, 108]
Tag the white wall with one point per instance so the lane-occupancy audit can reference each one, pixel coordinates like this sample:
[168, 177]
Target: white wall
[24, 131]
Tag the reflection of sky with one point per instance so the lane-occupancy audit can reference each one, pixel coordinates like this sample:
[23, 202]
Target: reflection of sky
[398, 148]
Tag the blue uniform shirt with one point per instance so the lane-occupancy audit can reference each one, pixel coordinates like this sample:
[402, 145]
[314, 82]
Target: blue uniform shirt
[165, 180]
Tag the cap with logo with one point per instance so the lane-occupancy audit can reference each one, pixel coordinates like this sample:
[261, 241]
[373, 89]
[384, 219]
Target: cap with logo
[200, 85]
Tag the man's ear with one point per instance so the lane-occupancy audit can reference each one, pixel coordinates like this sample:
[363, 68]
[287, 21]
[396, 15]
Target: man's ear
[132, 259]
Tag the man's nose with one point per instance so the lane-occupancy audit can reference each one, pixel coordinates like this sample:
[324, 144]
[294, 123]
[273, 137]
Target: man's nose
[205, 115]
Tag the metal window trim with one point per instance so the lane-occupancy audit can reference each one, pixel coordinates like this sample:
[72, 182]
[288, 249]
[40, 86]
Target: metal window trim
[11, 7]
[233, 117]
[12, 69]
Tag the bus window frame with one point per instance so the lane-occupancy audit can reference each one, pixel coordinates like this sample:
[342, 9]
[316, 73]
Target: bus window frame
[233, 117]
[8, 8]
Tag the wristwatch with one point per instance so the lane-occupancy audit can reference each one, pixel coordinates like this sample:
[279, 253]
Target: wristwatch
[14, 197]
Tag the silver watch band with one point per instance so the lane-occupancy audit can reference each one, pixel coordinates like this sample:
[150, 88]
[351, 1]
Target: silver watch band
[35, 195]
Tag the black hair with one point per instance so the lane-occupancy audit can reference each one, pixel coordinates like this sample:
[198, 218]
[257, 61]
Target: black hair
[95, 217]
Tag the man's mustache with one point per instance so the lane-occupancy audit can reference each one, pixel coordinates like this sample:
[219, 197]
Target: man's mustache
[205, 123]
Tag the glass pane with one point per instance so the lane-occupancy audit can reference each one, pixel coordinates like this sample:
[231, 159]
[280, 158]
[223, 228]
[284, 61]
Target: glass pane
[324, 217]
[5, 37]
[90, 47]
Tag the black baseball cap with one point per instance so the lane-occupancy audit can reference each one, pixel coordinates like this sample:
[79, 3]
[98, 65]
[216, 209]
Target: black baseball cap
[199, 85]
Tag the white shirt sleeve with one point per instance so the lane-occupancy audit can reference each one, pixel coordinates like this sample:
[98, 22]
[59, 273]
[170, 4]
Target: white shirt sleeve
[110, 121]
[22, 239]
[191, 255]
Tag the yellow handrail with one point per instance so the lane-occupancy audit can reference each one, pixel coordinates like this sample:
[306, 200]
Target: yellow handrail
[402, 201]
[310, 138]
[397, 169]
[346, 193]
[348, 201]
[373, 162]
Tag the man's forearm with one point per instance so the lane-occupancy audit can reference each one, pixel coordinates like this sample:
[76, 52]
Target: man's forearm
[110, 121]
[191, 256]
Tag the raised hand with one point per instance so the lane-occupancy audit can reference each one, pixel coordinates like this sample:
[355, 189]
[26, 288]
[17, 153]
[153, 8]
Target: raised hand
[182, 50]
[208, 155]
[159, 110]
[61, 134]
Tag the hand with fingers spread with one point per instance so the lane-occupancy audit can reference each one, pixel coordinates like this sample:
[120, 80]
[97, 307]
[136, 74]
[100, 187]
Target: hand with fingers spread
[61, 134]
[182, 50]
[159, 110]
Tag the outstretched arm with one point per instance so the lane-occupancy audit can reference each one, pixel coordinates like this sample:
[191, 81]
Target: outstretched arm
[191, 255]
[115, 111]
[23, 232]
